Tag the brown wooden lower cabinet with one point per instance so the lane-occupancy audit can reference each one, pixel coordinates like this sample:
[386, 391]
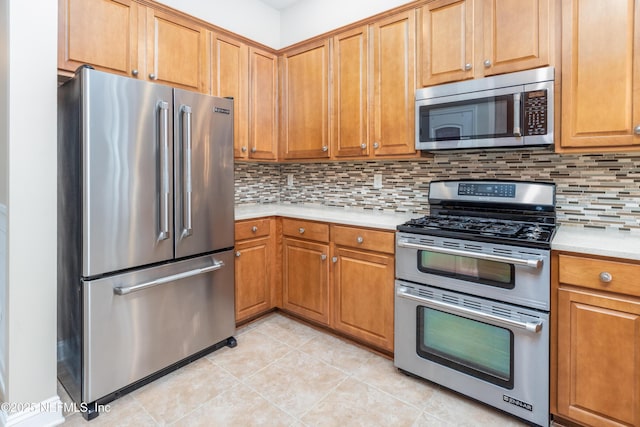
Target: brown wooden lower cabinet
[341, 277]
[598, 341]
[254, 268]
[305, 269]
[363, 296]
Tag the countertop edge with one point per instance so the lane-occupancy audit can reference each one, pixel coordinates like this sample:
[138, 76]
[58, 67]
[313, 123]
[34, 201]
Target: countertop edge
[354, 217]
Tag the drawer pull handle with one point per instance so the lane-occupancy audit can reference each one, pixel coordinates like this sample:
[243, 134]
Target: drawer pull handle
[606, 277]
[254, 228]
[323, 257]
[334, 259]
[238, 254]
[301, 230]
[359, 239]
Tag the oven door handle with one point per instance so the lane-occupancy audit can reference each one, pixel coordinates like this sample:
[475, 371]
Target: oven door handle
[531, 262]
[455, 309]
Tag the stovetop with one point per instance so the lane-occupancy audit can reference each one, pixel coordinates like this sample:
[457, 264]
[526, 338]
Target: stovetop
[520, 233]
[509, 212]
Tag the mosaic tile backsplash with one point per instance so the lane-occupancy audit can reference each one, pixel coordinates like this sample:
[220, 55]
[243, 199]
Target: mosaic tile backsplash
[599, 190]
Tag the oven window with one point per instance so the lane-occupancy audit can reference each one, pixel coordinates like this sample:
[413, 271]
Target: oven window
[489, 117]
[492, 273]
[479, 349]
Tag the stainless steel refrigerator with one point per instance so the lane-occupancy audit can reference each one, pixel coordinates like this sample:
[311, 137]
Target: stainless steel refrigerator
[145, 232]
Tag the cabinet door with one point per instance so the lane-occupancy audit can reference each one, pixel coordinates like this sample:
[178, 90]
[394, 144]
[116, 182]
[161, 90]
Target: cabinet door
[350, 94]
[446, 42]
[230, 74]
[516, 35]
[306, 279]
[263, 100]
[598, 359]
[394, 61]
[305, 83]
[102, 33]
[600, 74]
[363, 298]
[253, 270]
[176, 51]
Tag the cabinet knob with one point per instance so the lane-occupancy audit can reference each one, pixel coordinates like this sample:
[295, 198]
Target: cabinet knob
[359, 239]
[606, 277]
[363, 145]
[134, 72]
[636, 130]
[323, 257]
[376, 145]
[238, 254]
[467, 67]
[254, 149]
[487, 63]
[334, 259]
[152, 76]
[301, 230]
[325, 148]
[254, 228]
[244, 149]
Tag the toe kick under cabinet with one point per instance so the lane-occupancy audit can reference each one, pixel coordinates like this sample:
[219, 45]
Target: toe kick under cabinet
[337, 276]
[597, 345]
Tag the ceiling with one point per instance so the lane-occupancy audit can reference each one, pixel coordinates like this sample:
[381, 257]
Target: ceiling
[279, 4]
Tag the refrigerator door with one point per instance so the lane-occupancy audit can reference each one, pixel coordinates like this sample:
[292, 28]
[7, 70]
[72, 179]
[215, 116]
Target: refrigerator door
[203, 173]
[138, 323]
[127, 155]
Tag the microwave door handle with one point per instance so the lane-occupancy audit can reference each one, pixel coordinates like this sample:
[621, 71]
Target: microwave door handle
[516, 114]
[455, 309]
[531, 262]
[164, 165]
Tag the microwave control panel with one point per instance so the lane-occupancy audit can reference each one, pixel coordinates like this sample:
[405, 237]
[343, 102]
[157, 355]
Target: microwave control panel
[535, 112]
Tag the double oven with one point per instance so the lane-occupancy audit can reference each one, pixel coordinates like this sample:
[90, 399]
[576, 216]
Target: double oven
[472, 293]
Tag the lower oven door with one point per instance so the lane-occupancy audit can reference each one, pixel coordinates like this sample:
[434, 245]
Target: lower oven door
[493, 352]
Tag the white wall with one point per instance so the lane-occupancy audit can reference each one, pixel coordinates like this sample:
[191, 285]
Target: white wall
[305, 19]
[4, 182]
[250, 18]
[29, 140]
[309, 18]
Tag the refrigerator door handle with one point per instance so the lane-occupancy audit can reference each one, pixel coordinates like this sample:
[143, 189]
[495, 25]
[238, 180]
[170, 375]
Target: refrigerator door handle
[167, 279]
[164, 162]
[186, 170]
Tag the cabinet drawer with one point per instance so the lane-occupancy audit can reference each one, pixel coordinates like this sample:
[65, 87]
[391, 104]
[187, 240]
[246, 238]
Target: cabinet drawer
[612, 276]
[252, 228]
[361, 238]
[305, 229]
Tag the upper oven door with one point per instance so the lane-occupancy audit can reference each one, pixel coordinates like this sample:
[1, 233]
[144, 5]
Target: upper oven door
[505, 273]
[479, 119]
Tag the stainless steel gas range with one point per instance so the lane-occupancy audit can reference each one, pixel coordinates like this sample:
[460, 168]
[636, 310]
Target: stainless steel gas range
[473, 290]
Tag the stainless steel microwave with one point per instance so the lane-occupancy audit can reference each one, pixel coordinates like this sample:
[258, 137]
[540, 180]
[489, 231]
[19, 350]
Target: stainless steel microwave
[510, 110]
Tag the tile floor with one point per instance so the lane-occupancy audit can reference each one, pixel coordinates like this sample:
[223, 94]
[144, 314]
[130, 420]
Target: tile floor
[285, 373]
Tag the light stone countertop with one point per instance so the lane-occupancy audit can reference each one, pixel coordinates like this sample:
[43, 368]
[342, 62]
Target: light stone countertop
[608, 242]
[570, 238]
[347, 216]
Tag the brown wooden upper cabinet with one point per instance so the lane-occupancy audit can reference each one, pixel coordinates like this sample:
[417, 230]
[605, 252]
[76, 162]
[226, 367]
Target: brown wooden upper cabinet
[304, 126]
[350, 108]
[393, 84]
[373, 89]
[600, 75]
[102, 33]
[176, 51]
[464, 39]
[114, 35]
[249, 76]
